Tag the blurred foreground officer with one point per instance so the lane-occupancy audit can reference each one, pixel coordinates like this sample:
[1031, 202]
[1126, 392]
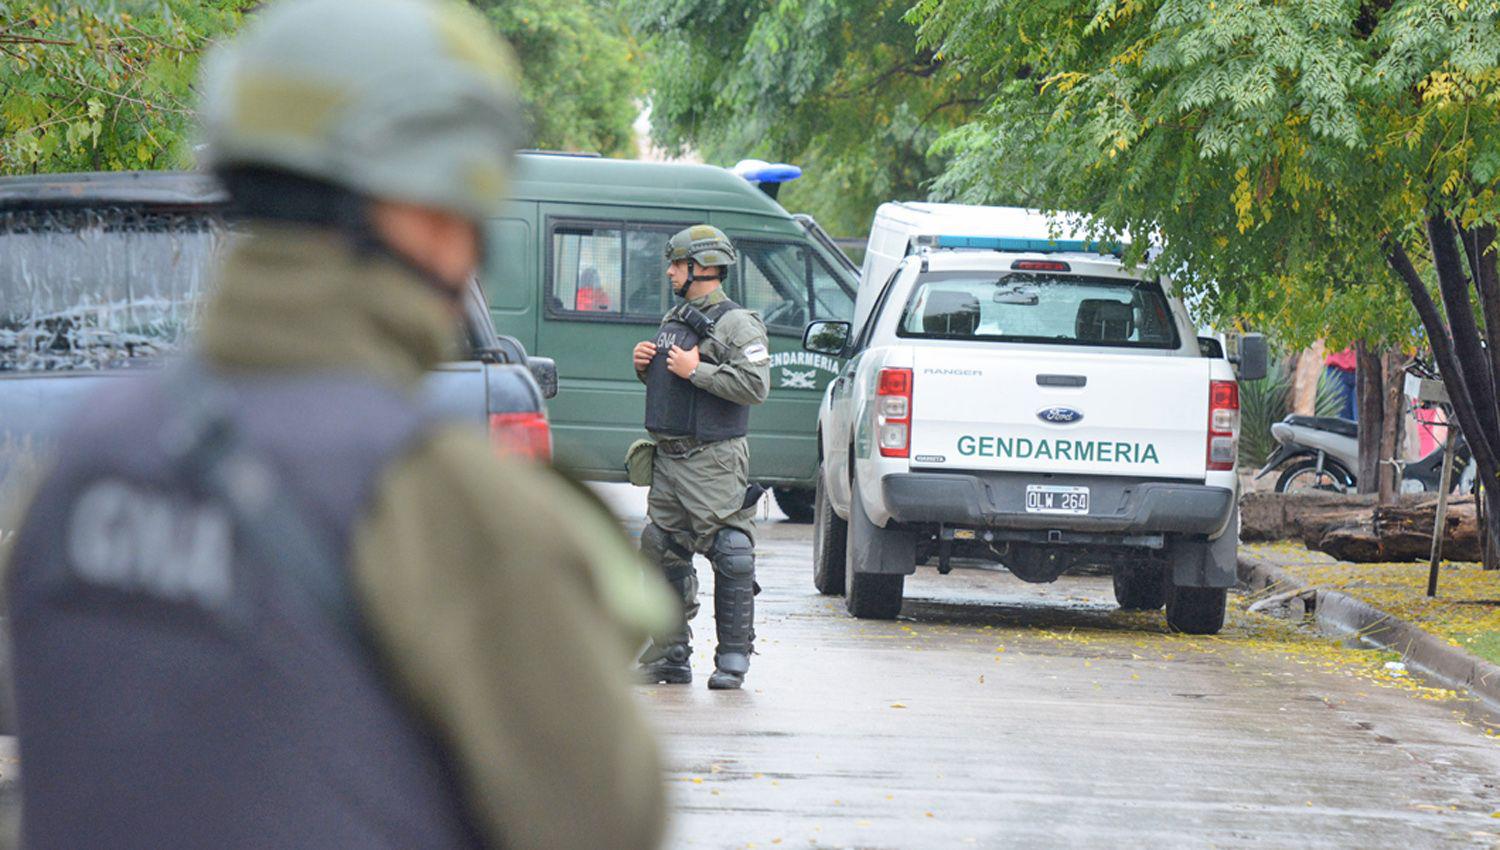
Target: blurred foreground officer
[264, 600]
[708, 363]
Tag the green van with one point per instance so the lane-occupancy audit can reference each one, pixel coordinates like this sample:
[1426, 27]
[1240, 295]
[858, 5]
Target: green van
[581, 279]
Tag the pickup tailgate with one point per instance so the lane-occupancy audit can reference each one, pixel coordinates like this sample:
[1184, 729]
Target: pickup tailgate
[1024, 410]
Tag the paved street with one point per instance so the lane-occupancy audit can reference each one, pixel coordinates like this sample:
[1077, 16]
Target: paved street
[1000, 714]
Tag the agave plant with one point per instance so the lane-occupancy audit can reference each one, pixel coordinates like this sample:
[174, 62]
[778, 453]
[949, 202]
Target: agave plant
[1268, 401]
[1262, 402]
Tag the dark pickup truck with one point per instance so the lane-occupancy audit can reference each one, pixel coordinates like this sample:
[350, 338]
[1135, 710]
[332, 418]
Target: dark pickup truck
[103, 274]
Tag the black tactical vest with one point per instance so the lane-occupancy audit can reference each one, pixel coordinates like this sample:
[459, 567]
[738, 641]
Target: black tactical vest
[676, 408]
[172, 689]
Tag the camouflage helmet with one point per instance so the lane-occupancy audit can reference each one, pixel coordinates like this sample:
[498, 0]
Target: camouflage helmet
[405, 100]
[703, 244]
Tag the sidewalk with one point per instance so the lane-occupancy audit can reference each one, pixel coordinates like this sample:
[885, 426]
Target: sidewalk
[1455, 637]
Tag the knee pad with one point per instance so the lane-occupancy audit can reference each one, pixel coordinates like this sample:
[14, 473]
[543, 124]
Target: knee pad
[659, 548]
[733, 554]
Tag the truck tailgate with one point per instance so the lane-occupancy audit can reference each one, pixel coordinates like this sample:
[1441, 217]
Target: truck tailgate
[1025, 410]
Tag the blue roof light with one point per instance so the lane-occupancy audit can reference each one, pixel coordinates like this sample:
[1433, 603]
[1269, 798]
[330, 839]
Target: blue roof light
[1040, 246]
[760, 171]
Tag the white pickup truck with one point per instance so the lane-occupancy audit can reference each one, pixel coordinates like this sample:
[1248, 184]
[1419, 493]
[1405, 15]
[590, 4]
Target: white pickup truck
[1031, 402]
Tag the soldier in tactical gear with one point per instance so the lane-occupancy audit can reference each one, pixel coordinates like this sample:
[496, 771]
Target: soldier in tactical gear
[707, 364]
[265, 599]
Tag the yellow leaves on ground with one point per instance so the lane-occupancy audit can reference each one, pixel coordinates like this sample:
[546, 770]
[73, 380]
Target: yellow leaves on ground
[1466, 611]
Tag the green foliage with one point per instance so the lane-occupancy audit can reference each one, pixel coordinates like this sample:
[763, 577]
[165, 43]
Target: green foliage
[106, 84]
[578, 72]
[1274, 147]
[839, 87]
[102, 85]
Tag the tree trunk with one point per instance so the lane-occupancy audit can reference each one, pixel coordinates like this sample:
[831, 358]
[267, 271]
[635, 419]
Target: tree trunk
[1370, 389]
[1461, 359]
[1490, 527]
[1306, 369]
[1479, 250]
[1392, 413]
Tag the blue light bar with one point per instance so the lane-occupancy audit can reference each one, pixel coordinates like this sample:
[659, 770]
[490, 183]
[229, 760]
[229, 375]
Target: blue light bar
[759, 171]
[1040, 246]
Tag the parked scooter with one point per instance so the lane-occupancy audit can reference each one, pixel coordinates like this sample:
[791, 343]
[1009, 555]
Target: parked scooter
[1323, 455]
[1323, 452]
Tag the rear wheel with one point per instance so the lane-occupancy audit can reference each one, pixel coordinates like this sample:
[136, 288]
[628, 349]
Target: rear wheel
[874, 596]
[796, 504]
[830, 540]
[1196, 610]
[1140, 587]
[1304, 477]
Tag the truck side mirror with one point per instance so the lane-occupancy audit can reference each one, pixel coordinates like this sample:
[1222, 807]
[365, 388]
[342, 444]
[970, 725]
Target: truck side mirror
[1250, 356]
[544, 369]
[830, 338]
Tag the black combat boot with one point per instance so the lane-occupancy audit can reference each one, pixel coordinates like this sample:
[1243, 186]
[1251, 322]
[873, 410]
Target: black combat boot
[673, 668]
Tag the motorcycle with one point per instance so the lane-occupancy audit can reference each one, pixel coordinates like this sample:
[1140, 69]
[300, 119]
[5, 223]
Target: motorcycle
[1323, 452]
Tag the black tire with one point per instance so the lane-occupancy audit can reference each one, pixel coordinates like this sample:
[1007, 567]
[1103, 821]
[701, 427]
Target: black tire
[1140, 587]
[830, 542]
[797, 504]
[1337, 479]
[1196, 610]
[873, 596]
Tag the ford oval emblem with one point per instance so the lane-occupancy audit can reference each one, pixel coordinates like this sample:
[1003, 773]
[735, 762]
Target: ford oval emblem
[1059, 415]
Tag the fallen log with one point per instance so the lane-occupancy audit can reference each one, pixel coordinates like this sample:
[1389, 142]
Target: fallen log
[1294, 516]
[1401, 532]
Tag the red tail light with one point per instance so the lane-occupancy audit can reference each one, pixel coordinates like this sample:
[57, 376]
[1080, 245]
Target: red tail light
[893, 412]
[1223, 424]
[525, 434]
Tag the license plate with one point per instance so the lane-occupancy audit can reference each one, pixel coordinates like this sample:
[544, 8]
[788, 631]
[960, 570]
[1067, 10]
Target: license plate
[1052, 499]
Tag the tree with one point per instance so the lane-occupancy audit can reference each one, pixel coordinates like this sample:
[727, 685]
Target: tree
[109, 85]
[578, 72]
[839, 87]
[91, 86]
[1305, 164]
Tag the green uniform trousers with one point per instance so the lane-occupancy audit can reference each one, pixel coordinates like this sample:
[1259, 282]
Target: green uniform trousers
[692, 497]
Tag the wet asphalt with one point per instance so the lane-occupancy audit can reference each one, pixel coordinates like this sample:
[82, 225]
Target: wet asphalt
[996, 713]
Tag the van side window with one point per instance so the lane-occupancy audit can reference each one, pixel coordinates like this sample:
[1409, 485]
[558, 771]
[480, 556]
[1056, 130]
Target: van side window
[587, 265]
[787, 284]
[646, 272]
[608, 270]
[831, 300]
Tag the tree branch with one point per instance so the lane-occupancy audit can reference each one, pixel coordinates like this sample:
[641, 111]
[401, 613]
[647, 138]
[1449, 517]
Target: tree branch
[1442, 351]
[1478, 250]
[8, 38]
[917, 68]
[1454, 286]
[957, 101]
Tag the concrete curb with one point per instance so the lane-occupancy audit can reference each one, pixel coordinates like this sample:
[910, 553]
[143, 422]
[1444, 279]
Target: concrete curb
[1438, 660]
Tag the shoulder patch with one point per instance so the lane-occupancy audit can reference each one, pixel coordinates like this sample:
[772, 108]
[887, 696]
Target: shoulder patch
[757, 354]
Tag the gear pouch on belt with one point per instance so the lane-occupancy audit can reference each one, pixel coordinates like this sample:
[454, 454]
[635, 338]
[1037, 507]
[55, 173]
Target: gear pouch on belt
[639, 459]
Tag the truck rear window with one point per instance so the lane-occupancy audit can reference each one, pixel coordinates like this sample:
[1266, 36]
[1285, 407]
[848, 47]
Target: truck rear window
[1033, 307]
[99, 288]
